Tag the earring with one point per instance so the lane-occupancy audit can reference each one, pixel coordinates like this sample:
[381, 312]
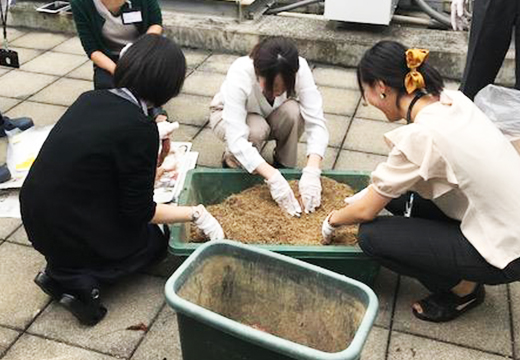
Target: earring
[382, 96]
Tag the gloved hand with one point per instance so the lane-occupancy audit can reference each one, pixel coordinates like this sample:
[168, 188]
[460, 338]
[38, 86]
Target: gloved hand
[208, 224]
[327, 230]
[458, 20]
[310, 188]
[283, 195]
[352, 199]
[165, 128]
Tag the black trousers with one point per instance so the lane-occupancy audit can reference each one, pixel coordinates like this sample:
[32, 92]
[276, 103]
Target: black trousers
[430, 247]
[85, 278]
[490, 36]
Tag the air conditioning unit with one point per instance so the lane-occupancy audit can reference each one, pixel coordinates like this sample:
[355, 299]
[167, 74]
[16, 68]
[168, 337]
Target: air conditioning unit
[361, 11]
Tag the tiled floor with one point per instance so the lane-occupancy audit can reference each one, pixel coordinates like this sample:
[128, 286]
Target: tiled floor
[54, 72]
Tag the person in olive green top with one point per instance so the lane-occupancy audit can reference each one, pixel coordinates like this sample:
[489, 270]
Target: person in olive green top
[105, 27]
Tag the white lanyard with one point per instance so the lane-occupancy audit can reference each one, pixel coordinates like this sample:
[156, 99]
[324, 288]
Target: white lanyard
[127, 94]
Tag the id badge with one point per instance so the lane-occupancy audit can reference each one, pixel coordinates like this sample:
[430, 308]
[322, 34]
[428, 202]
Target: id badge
[9, 58]
[131, 16]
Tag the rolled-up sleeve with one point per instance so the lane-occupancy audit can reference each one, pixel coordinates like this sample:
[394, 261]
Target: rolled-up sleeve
[311, 107]
[235, 92]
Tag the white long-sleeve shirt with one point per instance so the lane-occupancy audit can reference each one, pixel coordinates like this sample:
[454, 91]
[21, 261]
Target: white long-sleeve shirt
[241, 94]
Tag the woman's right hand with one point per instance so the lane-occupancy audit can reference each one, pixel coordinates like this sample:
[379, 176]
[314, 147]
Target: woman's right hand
[208, 224]
[283, 194]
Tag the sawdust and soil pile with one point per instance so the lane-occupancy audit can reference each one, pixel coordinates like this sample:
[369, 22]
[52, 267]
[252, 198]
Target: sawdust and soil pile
[253, 217]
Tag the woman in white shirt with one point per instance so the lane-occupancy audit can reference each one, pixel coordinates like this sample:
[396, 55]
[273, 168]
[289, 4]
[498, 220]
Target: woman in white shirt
[271, 94]
[457, 204]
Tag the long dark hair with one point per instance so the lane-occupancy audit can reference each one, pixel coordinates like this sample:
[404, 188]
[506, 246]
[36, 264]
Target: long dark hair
[386, 62]
[273, 56]
[153, 69]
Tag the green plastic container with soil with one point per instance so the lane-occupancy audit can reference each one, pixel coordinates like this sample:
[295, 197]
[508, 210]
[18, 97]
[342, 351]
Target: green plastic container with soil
[212, 186]
[239, 302]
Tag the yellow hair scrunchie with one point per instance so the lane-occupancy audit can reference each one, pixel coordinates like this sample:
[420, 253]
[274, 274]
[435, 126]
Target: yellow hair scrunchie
[414, 79]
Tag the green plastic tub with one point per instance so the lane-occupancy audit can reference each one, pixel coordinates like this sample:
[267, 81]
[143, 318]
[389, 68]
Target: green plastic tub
[239, 302]
[212, 186]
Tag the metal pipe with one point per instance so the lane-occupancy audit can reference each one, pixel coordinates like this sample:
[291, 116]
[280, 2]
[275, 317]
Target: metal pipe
[292, 6]
[440, 17]
[413, 20]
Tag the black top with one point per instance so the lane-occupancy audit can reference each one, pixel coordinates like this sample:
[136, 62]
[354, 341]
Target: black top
[89, 195]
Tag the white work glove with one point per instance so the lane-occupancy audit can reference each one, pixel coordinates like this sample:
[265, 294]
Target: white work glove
[283, 195]
[357, 196]
[208, 224]
[458, 17]
[327, 230]
[310, 188]
[166, 128]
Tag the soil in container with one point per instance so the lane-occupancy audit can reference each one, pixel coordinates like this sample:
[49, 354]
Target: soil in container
[253, 217]
[302, 307]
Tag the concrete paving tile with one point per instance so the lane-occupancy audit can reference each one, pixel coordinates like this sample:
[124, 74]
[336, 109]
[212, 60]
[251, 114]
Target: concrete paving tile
[327, 163]
[385, 289]
[21, 84]
[42, 114]
[194, 57]
[14, 33]
[54, 94]
[337, 126]
[4, 70]
[203, 83]
[408, 347]
[20, 298]
[19, 237]
[136, 300]
[7, 337]
[25, 55]
[33, 347]
[209, 147]
[359, 161]
[40, 40]
[165, 268]
[162, 341]
[71, 46]
[370, 112]
[375, 347]
[54, 63]
[7, 103]
[185, 133]
[8, 226]
[218, 63]
[367, 136]
[3, 150]
[189, 109]
[339, 101]
[491, 319]
[84, 72]
[515, 307]
[334, 76]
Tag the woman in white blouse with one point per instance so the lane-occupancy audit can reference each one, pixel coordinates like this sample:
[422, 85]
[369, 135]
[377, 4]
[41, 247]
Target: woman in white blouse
[452, 180]
[271, 94]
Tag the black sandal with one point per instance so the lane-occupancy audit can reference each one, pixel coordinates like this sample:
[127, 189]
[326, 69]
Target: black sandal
[446, 306]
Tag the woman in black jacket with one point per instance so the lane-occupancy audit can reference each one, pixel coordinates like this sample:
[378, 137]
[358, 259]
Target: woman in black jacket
[87, 203]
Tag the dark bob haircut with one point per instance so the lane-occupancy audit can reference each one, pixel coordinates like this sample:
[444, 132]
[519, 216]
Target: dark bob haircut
[386, 62]
[273, 56]
[153, 69]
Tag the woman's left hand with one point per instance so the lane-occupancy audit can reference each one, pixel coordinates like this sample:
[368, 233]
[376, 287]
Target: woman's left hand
[310, 188]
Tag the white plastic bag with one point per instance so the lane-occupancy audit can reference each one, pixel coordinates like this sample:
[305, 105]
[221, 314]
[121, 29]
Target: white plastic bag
[502, 106]
[22, 149]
